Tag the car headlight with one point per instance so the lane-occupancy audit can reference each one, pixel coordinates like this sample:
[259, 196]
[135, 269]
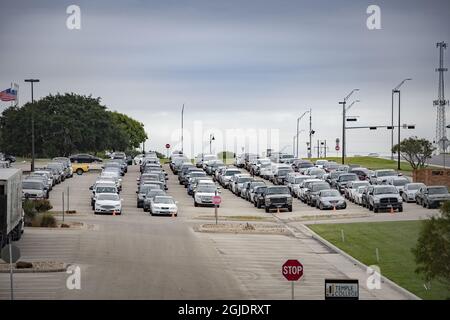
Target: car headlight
[376, 200]
[267, 200]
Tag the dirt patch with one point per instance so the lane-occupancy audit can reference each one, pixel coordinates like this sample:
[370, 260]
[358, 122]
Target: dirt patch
[247, 228]
[236, 218]
[36, 266]
[326, 217]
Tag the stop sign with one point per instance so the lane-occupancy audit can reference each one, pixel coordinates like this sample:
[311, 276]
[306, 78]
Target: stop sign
[167, 146]
[216, 200]
[292, 270]
[337, 148]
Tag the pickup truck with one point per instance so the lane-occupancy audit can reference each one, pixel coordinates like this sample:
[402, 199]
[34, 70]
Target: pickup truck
[277, 197]
[80, 168]
[11, 213]
[384, 197]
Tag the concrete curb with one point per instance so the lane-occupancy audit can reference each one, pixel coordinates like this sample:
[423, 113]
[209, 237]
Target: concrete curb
[395, 286]
[200, 229]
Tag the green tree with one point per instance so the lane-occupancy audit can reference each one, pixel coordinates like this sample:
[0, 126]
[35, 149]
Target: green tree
[66, 124]
[415, 151]
[432, 253]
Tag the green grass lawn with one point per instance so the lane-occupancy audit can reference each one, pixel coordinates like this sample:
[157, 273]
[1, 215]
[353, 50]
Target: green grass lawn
[372, 163]
[394, 241]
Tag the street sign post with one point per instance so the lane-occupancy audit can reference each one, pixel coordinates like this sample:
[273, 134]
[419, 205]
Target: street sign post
[167, 147]
[11, 254]
[216, 200]
[292, 270]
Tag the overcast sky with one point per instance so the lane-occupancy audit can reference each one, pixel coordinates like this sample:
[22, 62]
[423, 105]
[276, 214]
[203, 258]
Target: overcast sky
[234, 64]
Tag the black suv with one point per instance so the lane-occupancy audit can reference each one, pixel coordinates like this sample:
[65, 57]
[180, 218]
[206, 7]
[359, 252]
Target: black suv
[277, 197]
[84, 158]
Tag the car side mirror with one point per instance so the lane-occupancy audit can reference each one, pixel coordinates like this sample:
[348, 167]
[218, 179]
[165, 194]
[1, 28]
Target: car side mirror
[137, 191]
[91, 188]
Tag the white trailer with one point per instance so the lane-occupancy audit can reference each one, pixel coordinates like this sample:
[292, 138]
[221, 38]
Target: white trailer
[11, 212]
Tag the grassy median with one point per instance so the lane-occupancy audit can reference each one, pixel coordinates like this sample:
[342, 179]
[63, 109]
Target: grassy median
[372, 163]
[394, 241]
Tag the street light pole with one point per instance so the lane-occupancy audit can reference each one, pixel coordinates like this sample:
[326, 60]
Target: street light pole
[32, 81]
[211, 138]
[343, 122]
[392, 125]
[182, 129]
[310, 133]
[298, 124]
[397, 90]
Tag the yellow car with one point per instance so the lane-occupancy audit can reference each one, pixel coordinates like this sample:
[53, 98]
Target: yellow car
[80, 168]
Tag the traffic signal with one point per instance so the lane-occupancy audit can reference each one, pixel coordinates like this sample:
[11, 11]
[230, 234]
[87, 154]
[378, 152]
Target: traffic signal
[352, 119]
[411, 127]
[373, 128]
[390, 127]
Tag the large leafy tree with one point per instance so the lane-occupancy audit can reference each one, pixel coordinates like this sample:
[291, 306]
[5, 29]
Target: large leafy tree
[432, 252]
[415, 151]
[66, 124]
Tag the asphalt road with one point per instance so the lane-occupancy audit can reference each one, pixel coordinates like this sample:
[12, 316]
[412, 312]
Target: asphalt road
[137, 256]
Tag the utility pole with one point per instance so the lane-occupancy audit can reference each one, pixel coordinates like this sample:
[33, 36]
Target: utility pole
[32, 81]
[211, 138]
[325, 149]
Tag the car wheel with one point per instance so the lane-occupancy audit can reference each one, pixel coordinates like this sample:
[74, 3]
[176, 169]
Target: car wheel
[375, 210]
[267, 210]
[400, 209]
[79, 172]
[195, 204]
[258, 204]
[290, 208]
[424, 204]
[321, 206]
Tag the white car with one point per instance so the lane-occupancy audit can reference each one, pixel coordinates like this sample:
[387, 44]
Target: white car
[357, 197]
[398, 182]
[265, 171]
[163, 205]
[108, 203]
[410, 190]
[295, 185]
[354, 189]
[204, 193]
[138, 159]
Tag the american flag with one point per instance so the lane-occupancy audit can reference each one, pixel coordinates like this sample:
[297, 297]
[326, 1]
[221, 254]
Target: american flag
[8, 95]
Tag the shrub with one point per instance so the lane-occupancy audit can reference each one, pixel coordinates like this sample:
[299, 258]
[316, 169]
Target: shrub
[29, 210]
[45, 220]
[42, 205]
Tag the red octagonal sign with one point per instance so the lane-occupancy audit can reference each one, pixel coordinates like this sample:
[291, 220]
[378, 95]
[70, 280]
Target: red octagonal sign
[292, 270]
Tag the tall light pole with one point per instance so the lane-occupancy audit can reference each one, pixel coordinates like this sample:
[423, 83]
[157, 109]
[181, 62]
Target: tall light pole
[182, 129]
[32, 81]
[298, 123]
[343, 122]
[211, 138]
[311, 132]
[397, 90]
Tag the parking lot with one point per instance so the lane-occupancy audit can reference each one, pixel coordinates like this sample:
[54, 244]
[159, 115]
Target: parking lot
[128, 256]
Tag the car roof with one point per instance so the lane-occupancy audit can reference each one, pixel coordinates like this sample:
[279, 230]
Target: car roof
[164, 197]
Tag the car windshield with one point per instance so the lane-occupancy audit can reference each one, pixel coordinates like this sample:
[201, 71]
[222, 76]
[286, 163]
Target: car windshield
[244, 179]
[277, 190]
[152, 193]
[305, 165]
[164, 200]
[197, 174]
[32, 185]
[414, 186]
[352, 177]
[438, 190]
[356, 185]
[108, 196]
[299, 179]
[320, 186]
[400, 182]
[386, 173]
[207, 189]
[385, 190]
[330, 193]
[264, 162]
[232, 173]
[105, 190]
[259, 183]
[283, 172]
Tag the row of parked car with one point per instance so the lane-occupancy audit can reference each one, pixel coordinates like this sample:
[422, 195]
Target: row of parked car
[38, 184]
[105, 196]
[152, 187]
